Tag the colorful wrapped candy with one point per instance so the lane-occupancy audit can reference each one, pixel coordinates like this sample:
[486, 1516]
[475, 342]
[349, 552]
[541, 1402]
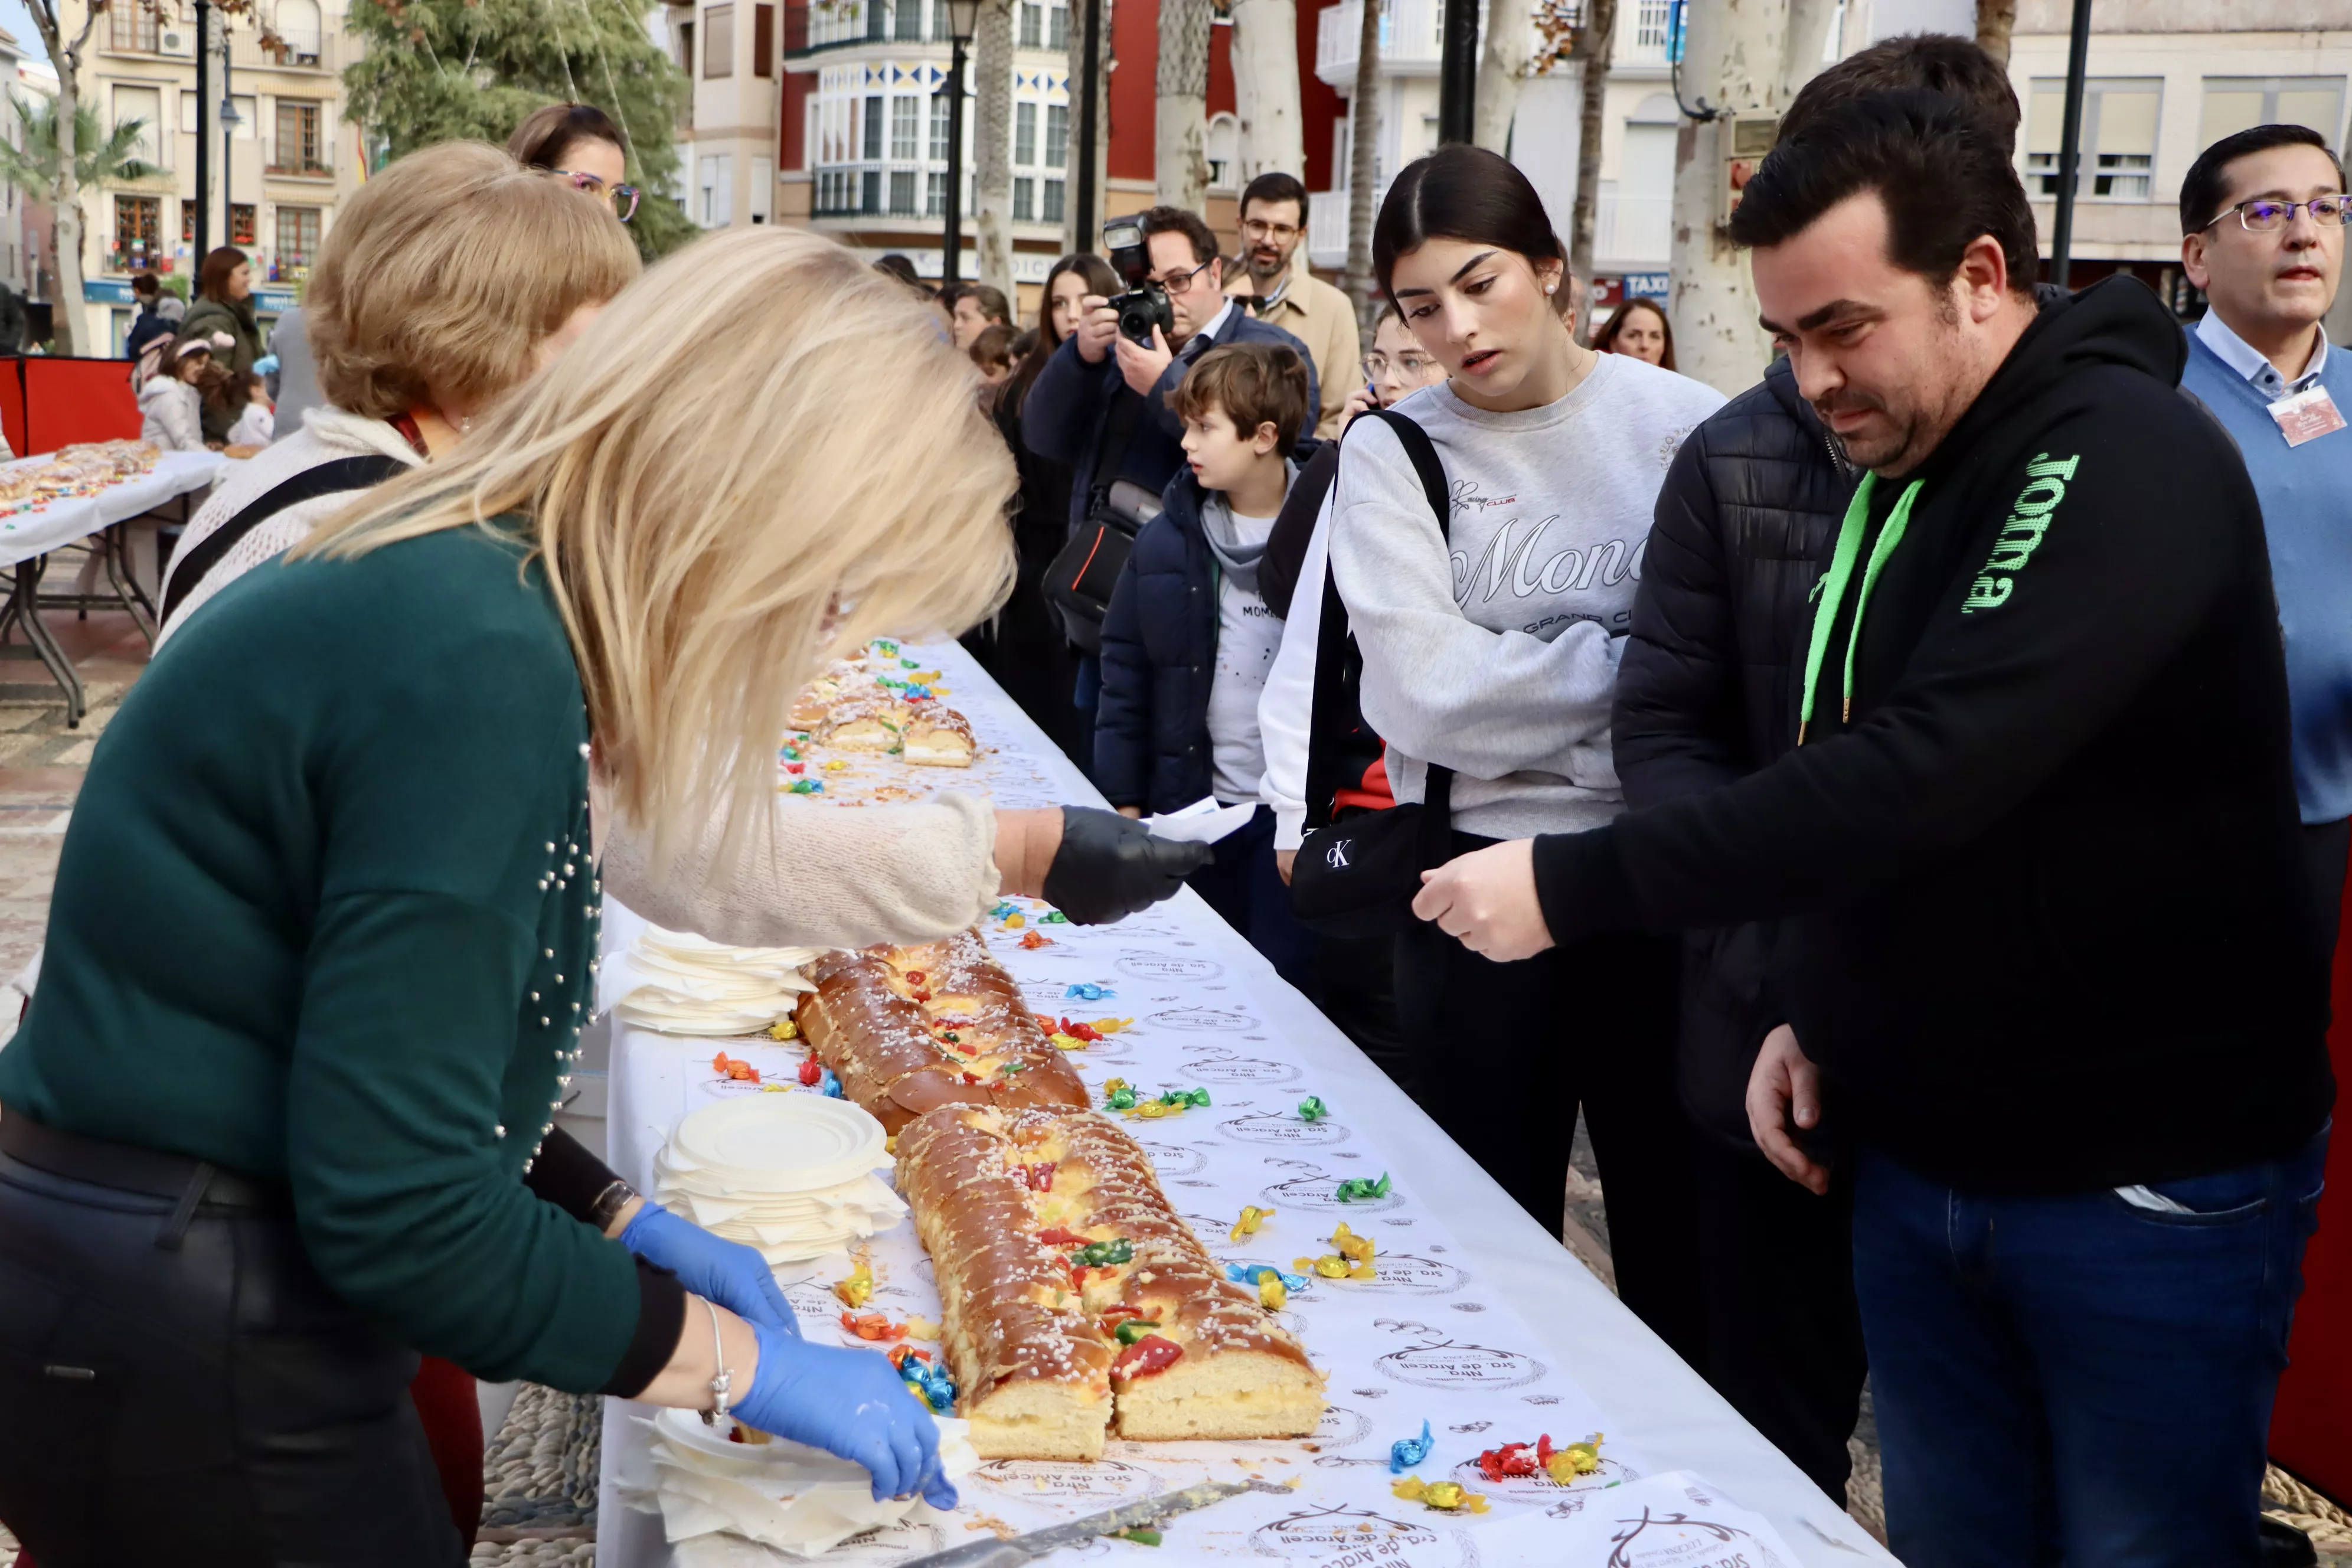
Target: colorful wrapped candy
[1259, 1273]
[1350, 1258]
[1271, 1294]
[734, 1068]
[784, 1029]
[1118, 1096]
[875, 1326]
[1034, 940]
[1312, 1109]
[828, 1085]
[807, 786]
[1349, 1245]
[811, 1071]
[1407, 1452]
[1449, 1496]
[1055, 918]
[931, 1384]
[1252, 1218]
[1087, 990]
[1361, 1189]
[859, 1288]
[1564, 1465]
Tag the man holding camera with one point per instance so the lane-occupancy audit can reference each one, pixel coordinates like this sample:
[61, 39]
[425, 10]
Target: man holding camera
[1101, 403]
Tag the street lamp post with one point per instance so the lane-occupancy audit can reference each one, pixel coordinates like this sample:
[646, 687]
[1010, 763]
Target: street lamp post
[963, 21]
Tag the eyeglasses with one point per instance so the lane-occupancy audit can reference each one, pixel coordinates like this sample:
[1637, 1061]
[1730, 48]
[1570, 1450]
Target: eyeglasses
[1177, 282]
[2263, 215]
[1410, 366]
[623, 198]
[1282, 232]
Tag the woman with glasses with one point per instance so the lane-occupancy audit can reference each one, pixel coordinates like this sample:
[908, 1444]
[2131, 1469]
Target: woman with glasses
[579, 144]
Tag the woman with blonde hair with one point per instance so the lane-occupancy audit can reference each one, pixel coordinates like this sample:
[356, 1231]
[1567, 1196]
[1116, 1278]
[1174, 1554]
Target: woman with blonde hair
[322, 942]
[447, 279]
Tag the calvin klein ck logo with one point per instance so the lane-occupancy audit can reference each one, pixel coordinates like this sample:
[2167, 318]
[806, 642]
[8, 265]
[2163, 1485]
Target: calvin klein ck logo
[1337, 856]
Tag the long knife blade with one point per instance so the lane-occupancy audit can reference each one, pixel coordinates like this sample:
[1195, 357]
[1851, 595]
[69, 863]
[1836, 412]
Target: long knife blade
[1026, 1549]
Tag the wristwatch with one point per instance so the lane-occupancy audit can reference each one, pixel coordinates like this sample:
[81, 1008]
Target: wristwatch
[609, 1204]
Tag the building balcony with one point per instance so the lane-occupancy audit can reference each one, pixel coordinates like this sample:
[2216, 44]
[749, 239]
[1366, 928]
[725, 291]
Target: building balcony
[297, 51]
[1410, 34]
[1631, 231]
[1327, 228]
[281, 162]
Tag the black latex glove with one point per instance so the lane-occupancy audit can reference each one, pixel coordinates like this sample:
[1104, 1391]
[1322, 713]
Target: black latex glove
[1108, 867]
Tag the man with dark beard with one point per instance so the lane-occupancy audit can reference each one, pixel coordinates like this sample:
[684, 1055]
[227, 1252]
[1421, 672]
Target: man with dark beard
[1274, 225]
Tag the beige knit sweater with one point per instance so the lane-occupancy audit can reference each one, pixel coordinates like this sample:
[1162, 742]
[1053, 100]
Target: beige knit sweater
[825, 877]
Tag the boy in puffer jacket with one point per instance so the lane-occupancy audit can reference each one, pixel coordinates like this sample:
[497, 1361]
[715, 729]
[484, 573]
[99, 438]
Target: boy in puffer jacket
[1188, 638]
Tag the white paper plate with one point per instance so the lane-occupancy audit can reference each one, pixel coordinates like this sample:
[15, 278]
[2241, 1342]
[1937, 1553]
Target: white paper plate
[781, 1142]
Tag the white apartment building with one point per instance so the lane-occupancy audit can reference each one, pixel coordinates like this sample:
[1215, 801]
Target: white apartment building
[726, 148]
[290, 156]
[1638, 128]
[22, 222]
[2166, 80]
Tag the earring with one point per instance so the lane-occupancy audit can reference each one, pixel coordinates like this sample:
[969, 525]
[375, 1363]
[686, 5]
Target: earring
[1551, 288]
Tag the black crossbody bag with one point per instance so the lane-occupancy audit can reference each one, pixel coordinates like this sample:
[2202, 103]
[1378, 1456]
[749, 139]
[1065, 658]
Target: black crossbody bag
[1079, 582]
[1356, 878]
[326, 479]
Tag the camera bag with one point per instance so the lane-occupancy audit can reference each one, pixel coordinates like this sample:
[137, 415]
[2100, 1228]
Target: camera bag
[1078, 583]
[1355, 876]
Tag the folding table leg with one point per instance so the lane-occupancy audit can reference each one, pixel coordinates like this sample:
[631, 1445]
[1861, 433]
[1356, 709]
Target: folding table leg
[23, 609]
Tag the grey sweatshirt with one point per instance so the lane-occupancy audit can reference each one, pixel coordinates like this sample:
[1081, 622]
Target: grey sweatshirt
[1498, 656]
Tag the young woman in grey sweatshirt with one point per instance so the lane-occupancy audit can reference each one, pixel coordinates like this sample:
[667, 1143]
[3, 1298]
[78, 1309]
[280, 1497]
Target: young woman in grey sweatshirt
[1491, 648]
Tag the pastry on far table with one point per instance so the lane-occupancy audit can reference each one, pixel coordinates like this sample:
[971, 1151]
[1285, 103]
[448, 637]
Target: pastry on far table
[939, 737]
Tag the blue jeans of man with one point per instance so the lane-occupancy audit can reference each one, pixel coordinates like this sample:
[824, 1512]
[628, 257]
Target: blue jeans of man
[2080, 1379]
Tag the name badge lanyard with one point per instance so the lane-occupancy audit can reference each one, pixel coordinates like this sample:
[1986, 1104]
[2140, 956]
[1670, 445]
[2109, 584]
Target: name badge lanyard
[1833, 588]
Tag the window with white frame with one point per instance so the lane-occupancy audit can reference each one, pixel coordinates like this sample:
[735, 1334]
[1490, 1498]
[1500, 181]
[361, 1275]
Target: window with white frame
[1024, 135]
[940, 133]
[1025, 199]
[2236, 104]
[1057, 136]
[873, 146]
[2118, 138]
[1057, 27]
[1224, 138]
[717, 190]
[910, 28]
[718, 42]
[1032, 24]
[906, 128]
[144, 104]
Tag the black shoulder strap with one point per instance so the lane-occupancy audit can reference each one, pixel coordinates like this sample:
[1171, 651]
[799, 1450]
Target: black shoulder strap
[328, 478]
[1118, 427]
[1339, 666]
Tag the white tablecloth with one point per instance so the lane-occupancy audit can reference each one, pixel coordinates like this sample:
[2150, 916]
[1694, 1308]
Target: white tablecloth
[1480, 1321]
[26, 535]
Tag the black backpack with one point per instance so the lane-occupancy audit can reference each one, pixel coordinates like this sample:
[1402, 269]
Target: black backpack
[1356, 878]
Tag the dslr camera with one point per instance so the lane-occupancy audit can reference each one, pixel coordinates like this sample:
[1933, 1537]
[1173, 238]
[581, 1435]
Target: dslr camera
[1144, 304]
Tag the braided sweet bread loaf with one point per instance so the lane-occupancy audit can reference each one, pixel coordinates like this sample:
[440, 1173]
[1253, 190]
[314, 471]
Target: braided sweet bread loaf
[1075, 1296]
[908, 1030]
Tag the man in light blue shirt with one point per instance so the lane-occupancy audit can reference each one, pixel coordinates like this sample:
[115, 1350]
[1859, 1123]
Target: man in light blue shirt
[2261, 215]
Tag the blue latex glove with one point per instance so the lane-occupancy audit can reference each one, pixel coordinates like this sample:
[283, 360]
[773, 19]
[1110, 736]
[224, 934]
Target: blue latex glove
[849, 1402]
[727, 1272]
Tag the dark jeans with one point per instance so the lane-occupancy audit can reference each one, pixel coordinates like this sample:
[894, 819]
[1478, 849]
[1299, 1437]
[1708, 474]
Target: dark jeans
[1358, 980]
[1784, 1335]
[2076, 1379]
[1508, 1052]
[209, 1403]
[1242, 885]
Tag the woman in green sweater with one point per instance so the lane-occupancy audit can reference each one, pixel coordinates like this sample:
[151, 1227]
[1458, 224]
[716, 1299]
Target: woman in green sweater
[322, 940]
[223, 306]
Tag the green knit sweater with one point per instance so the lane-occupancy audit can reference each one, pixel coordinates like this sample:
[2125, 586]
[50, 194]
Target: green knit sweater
[326, 914]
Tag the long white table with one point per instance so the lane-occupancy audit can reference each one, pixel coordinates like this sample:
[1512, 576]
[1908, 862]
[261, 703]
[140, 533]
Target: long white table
[1478, 1321]
[27, 535]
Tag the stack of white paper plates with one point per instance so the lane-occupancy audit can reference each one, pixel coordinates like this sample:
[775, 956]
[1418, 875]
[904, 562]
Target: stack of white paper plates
[792, 1175]
[787, 1497]
[686, 985]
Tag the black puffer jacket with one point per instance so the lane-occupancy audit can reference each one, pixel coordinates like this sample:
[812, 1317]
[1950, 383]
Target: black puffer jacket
[1705, 694]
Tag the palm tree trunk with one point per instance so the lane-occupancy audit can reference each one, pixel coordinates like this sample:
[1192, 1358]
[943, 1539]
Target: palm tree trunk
[1265, 89]
[1179, 165]
[992, 71]
[1996, 19]
[65, 186]
[1363, 165]
[1594, 43]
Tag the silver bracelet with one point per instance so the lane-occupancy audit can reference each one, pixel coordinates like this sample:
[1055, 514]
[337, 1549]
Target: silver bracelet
[721, 1384]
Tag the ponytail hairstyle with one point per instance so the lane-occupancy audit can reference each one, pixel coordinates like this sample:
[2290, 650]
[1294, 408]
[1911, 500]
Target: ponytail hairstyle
[1466, 192]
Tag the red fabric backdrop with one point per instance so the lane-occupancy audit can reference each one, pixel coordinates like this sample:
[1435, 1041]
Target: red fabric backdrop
[49, 402]
[2312, 1432]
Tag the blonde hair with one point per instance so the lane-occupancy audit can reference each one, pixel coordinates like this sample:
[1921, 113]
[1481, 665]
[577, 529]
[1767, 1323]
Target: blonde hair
[760, 448]
[445, 271]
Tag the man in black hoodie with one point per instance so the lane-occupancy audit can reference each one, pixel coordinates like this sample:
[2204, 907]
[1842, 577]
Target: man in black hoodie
[1743, 528]
[2043, 930]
